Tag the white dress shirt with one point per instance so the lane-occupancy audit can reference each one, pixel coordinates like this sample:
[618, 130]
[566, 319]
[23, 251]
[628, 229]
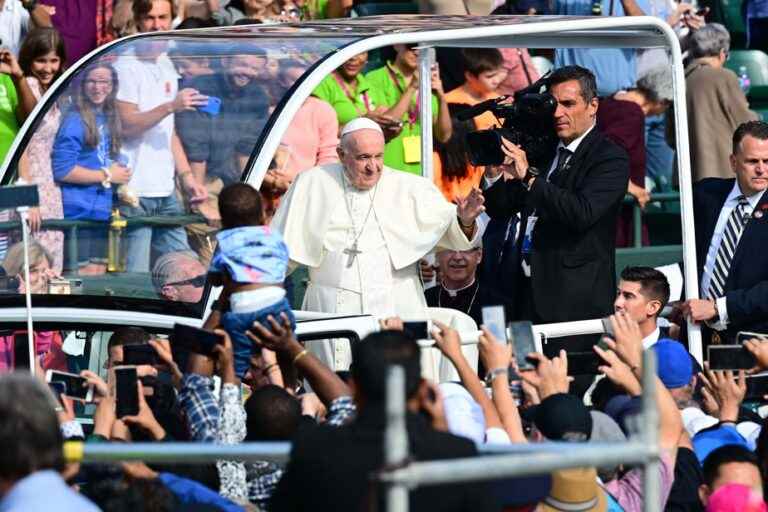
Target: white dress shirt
[714, 246]
[651, 339]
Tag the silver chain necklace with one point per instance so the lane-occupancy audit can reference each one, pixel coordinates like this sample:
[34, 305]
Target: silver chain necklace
[353, 251]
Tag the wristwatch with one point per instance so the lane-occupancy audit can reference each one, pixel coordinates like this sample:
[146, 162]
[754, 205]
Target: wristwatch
[531, 172]
[495, 373]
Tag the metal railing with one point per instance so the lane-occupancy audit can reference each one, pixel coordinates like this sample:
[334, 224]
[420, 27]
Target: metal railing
[71, 227]
[401, 475]
[637, 213]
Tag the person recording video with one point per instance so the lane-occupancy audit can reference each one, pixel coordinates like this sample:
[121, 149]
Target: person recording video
[568, 207]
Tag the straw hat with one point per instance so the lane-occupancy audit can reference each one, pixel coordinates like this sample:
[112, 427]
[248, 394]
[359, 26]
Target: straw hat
[575, 490]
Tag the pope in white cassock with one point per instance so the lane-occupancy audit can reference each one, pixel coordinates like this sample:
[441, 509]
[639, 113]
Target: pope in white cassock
[361, 229]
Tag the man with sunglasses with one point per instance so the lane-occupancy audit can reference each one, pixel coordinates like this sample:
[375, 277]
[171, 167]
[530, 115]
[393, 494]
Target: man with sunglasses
[179, 277]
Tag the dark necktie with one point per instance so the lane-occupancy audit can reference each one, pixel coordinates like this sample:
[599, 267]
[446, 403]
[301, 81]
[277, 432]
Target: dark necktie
[736, 222]
[562, 159]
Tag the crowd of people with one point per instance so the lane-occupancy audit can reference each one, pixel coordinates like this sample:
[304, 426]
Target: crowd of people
[163, 130]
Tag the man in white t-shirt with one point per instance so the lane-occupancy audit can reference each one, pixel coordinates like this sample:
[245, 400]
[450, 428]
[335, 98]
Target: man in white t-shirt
[17, 17]
[148, 98]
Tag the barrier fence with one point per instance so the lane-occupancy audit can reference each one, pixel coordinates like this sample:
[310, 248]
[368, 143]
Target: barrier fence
[401, 475]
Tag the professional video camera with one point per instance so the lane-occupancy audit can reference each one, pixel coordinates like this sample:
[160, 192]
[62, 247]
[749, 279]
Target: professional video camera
[527, 122]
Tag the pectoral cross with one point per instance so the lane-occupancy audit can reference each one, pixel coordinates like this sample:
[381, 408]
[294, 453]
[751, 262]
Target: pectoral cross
[351, 253]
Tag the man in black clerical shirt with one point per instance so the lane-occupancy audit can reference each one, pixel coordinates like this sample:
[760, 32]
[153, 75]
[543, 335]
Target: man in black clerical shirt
[457, 284]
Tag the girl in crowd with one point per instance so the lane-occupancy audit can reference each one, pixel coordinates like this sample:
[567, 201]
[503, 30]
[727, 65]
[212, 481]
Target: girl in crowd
[41, 59]
[84, 162]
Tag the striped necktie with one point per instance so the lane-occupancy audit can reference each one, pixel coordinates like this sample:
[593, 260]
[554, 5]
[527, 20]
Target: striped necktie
[733, 229]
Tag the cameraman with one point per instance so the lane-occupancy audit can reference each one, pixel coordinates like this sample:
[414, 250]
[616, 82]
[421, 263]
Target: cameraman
[568, 211]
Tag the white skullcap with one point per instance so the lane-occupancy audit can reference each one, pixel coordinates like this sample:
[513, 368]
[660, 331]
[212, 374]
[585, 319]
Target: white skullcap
[361, 123]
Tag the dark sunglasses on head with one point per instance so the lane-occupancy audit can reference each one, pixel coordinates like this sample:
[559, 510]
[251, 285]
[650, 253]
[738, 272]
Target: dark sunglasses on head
[197, 281]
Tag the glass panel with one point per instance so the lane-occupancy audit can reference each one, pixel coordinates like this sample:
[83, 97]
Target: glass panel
[131, 154]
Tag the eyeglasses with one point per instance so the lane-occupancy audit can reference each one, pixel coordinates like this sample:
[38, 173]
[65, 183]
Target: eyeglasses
[197, 281]
[98, 82]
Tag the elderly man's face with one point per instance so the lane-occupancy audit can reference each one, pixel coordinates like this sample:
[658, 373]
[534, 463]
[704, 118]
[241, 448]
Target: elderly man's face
[362, 154]
[186, 283]
[457, 268]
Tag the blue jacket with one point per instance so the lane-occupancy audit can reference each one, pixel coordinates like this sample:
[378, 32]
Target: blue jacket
[93, 202]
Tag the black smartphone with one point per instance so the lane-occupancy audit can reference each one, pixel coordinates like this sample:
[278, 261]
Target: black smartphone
[140, 354]
[417, 330]
[20, 351]
[194, 340]
[583, 363]
[524, 341]
[743, 336]
[74, 386]
[126, 391]
[757, 388]
[730, 357]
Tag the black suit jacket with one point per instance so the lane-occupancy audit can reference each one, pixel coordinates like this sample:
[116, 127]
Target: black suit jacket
[330, 469]
[572, 260]
[746, 287]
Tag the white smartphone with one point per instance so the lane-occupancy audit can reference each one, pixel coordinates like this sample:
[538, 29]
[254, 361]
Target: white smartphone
[495, 321]
[75, 386]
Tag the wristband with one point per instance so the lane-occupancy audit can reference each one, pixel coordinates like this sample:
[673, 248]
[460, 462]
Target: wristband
[299, 356]
[107, 182]
[269, 367]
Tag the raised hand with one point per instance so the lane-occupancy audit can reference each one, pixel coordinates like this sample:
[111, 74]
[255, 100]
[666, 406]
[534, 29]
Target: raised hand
[726, 390]
[448, 341]
[550, 376]
[516, 157]
[618, 371]
[470, 207]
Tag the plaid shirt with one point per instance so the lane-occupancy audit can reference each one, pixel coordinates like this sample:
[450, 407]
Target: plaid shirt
[226, 424]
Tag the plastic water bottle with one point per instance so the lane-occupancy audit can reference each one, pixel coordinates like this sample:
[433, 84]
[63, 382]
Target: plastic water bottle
[744, 81]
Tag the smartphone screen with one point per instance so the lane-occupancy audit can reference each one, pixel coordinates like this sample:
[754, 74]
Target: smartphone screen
[74, 386]
[417, 330]
[730, 357]
[126, 391]
[20, 351]
[193, 339]
[139, 354]
[495, 321]
[757, 387]
[524, 342]
[58, 389]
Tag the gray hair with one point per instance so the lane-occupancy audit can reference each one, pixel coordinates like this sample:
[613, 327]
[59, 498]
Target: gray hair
[709, 40]
[656, 84]
[167, 265]
[29, 430]
[14, 258]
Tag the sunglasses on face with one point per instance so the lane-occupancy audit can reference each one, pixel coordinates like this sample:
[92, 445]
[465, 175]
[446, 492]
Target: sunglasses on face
[197, 281]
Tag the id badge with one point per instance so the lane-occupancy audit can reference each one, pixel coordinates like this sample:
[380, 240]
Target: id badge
[412, 149]
[528, 238]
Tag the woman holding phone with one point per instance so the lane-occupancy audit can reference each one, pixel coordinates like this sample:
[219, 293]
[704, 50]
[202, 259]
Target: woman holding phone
[84, 160]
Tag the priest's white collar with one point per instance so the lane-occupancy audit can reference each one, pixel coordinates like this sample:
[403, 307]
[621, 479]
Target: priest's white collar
[454, 291]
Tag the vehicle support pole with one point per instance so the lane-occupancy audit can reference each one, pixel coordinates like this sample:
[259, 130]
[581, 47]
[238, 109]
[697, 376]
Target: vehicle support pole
[650, 435]
[396, 438]
[426, 59]
[24, 214]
